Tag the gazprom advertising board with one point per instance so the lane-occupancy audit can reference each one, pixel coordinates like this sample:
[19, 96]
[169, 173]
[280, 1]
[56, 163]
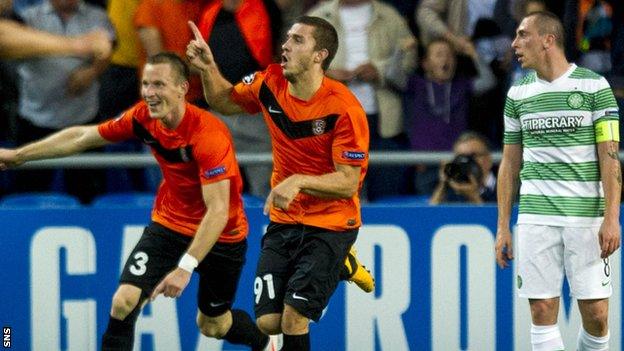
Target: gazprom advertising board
[438, 287]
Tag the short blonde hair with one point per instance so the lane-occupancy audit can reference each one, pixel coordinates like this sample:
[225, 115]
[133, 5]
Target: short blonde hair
[548, 23]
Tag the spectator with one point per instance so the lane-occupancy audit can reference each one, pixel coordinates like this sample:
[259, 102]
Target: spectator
[162, 26]
[20, 42]
[453, 20]
[121, 80]
[119, 90]
[58, 92]
[244, 36]
[593, 35]
[376, 56]
[467, 24]
[438, 104]
[469, 177]
[19, 6]
[508, 13]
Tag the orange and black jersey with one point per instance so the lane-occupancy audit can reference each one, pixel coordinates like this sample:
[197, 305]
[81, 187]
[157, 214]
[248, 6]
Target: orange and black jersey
[309, 137]
[199, 151]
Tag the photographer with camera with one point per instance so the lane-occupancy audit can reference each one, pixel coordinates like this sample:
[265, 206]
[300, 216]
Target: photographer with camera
[468, 177]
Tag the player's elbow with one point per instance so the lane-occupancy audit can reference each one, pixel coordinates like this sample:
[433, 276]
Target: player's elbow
[218, 212]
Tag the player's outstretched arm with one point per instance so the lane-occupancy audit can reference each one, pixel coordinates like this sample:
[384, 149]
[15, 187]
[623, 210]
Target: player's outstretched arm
[217, 199]
[507, 185]
[66, 142]
[18, 42]
[217, 89]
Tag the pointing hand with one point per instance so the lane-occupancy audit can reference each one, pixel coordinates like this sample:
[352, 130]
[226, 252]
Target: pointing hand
[197, 51]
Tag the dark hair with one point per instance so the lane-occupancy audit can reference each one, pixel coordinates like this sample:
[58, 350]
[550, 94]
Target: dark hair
[324, 35]
[472, 135]
[177, 64]
[549, 23]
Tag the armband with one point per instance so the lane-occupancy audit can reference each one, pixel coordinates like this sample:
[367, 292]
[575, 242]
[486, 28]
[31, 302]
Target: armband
[188, 263]
[607, 131]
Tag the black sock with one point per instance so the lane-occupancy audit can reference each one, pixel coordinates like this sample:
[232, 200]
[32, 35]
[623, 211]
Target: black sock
[119, 335]
[245, 332]
[296, 342]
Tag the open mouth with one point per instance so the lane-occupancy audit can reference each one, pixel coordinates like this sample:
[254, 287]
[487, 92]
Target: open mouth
[284, 59]
[153, 104]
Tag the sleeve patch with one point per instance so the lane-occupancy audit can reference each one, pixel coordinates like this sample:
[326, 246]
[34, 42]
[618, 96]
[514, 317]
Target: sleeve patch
[214, 172]
[354, 155]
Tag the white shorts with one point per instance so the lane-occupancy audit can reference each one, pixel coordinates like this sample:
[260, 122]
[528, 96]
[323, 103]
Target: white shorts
[544, 253]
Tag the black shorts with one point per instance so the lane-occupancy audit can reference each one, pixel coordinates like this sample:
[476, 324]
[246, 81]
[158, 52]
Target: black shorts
[157, 253]
[299, 265]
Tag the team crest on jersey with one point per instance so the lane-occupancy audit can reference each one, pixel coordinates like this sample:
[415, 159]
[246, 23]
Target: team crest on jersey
[318, 126]
[248, 79]
[575, 100]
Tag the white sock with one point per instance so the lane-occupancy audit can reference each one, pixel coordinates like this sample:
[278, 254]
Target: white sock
[588, 342]
[546, 338]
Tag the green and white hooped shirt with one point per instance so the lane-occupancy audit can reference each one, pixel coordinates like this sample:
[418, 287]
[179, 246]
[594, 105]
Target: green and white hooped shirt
[554, 122]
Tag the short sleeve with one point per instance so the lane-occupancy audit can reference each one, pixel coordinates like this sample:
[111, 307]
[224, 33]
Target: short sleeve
[605, 106]
[214, 154]
[120, 127]
[351, 138]
[246, 92]
[513, 130]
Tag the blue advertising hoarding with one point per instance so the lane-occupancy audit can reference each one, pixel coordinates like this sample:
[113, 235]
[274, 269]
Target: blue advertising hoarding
[438, 287]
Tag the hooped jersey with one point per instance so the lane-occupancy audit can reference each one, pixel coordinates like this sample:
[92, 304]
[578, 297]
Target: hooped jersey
[555, 124]
[310, 137]
[199, 151]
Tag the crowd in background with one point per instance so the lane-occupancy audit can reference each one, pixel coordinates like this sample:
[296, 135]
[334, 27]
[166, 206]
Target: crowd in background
[425, 71]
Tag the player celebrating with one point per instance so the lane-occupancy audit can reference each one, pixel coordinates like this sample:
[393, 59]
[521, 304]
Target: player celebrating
[320, 152]
[198, 223]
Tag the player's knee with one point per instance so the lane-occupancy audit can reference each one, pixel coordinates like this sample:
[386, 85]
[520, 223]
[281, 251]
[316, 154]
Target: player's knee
[211, 327]
[269, 324]
[595, 313]
[293, 322]
[544, 312]
[124, 302]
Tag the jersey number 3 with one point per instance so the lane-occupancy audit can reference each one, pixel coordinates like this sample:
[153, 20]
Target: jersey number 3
[140, 260]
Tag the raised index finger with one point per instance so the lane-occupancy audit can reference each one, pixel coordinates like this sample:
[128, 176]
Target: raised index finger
[196, 31]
